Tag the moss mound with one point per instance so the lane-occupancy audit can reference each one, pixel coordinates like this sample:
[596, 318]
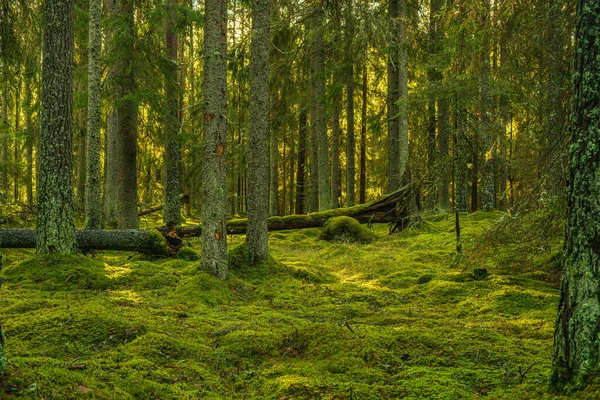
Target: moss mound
[238, 264]
[188, 254]
[58, 272]
[346, 230]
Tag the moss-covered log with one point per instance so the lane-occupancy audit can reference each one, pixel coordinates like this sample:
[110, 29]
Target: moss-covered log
[389, 209]
[150, 242]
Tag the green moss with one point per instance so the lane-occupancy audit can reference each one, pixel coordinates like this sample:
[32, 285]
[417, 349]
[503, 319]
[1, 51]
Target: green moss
[425, 278]
[157, 242]
[58, 272]
[188, 254]
[346, 230]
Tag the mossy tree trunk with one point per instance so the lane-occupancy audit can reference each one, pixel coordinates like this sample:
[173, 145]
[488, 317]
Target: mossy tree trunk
[213, 170]
[4, 130]
[111, 142]
[127, 120]
[54, 224]
[93, 215]
[172, 213]
[258, 139]
[576, 357]
[350, 139]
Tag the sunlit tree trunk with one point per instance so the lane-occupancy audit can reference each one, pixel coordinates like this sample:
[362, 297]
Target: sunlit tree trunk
[363, 140]
[258, 138]
[55, 228]
[30, 137]
[350, 139]
[213, 170]
[93, 215]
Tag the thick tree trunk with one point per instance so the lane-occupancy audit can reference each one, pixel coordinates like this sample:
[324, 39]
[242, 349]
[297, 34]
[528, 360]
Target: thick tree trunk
[576, 358]
[214, 171]
[258, 139]
[120, 240]
[172, 156]
[301, 168]
[127, 120]
[93, 215]
[54, 224]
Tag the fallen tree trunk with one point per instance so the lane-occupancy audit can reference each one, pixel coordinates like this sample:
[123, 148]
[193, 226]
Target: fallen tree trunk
[149, 242]
[391, 208]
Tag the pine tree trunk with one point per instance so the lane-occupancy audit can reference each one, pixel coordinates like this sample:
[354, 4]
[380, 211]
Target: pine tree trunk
[4, 131]
[576, 357]
[93, 216]
[320, 120]
[30, 138]
[273, 146]
[350, 139]
[363, 140]
[444, 159]
[258, 139]
[17, 146]
[80, 123]
[213, 170]
[336, 173]
[172, 156]
[54, 224]
[127, 120]
[111, 142]
[487, 136]
[301, 168]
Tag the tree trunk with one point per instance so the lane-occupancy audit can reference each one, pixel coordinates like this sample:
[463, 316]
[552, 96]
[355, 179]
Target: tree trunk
[363, 140]
[350, 139]
[336, 173]
[301, 169]
[118, 240]
[5, 131]
[273, 147]
[17, 147]
[576, 357]
[54, 224]
[444, 159]
[172, 156]
[319, 120]
[214, 171]
[111, 142]
[127, 120]
[93, 216]
[30, 137]
[258, 139]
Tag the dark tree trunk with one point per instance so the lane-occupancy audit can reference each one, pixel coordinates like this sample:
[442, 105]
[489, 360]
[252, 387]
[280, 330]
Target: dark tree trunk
[258, 139]
[363, 140]
[576, 358]
[54, 224]
[127, 110]
[213, 170]
[172, 157]
[350, 139]
[301, 169]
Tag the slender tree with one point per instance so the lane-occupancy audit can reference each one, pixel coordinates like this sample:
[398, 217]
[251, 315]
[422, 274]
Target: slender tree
[213, 169]
[350, 139]
[54, 224]
[172, 214]
[301, 168]
[93, 215]
[5, 132]
[576, 356]
[363, 139]
[258, 139]
[127, 119]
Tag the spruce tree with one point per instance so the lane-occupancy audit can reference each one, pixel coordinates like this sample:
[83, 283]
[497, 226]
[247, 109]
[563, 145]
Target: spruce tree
[54, 224]
[213, 170]
[576, 356]
[258, 139]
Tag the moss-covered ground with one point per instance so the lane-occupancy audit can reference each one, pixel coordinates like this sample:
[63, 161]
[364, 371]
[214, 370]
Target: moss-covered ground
[400, 317]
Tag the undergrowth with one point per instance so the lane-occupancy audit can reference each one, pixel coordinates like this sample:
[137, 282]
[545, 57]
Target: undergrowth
[396, 318]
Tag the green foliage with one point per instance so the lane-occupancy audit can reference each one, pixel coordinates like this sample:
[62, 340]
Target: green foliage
[346, 230]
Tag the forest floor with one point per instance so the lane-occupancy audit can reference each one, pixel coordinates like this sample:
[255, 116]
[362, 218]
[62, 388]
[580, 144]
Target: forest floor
[398, 318]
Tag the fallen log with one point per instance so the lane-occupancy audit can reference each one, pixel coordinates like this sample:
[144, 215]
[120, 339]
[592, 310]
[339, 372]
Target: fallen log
[391, 208]
[149, 242]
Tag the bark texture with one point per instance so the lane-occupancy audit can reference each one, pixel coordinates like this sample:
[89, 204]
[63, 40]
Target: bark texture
[213, 170]
[172, 157]
[127, 109]
[576, 357]
[363, 140]
[4, 132]
[54, 224]
[258, 139]
[93, 214]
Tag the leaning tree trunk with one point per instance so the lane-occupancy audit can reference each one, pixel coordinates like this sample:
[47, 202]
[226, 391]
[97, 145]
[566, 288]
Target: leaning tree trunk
[93, 215]
[54, 224]
[214, 171]
[172, 214]
[258, 139]
[576, 358]
[127, 120]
